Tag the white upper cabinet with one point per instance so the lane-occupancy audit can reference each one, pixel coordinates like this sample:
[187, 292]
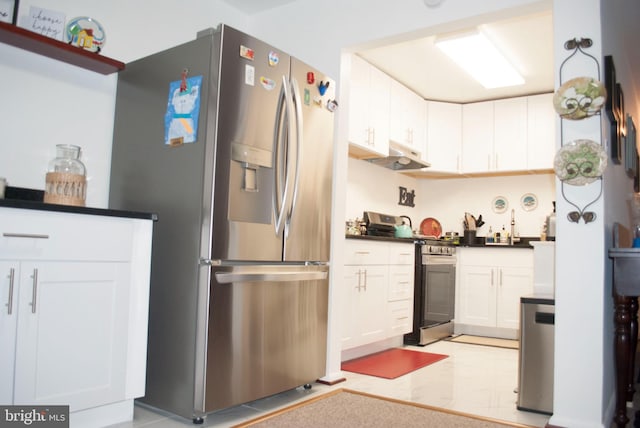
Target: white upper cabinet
[407, 120]
[510, 134]
[477, 137]
[444, 136]
[368, 108]
[495, 136]
[541, 132]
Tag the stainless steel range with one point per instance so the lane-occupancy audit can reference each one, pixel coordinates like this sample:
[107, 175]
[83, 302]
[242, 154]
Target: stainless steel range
[434, 293]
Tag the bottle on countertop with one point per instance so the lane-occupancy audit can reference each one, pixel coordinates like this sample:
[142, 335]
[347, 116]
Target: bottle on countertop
[490, 236]
[504, 235]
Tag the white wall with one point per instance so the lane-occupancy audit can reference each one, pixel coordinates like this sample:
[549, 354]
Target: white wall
[448, 200]
[374, 188]
[579, 358]
[45, 103]
[583, 269]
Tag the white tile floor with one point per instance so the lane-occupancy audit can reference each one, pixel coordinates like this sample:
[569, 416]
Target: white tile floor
[474, 379]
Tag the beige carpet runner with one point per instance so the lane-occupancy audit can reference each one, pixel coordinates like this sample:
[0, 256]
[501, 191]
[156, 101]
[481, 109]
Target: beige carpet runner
[487, 341]
[345, 408]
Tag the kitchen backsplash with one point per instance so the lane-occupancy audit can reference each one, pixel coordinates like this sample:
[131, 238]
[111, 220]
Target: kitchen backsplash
[373, 188]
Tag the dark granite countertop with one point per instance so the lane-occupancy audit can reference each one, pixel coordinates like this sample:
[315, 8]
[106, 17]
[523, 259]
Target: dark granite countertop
[384, 238]
[524, 241]
[37, 205]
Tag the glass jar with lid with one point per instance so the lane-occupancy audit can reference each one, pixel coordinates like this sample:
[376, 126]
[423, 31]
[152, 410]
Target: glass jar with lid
[66, 182]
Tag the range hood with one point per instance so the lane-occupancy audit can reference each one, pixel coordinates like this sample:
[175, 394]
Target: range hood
[400, 158]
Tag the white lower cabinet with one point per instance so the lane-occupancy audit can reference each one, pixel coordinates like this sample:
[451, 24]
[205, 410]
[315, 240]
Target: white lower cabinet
[490, 284]
[366, 299]
[377, 291]
[74, 320]
[71, 345]
[10, 275]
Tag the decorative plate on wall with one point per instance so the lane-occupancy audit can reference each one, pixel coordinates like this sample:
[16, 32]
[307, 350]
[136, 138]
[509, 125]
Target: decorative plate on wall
[579, 98]
[529, 202]
[580, 162]
[500, 204]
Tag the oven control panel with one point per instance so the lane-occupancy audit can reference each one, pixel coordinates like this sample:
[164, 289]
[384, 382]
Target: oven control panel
[440, 250]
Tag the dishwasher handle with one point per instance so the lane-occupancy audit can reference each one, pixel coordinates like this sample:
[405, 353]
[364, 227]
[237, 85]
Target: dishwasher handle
[545, 318]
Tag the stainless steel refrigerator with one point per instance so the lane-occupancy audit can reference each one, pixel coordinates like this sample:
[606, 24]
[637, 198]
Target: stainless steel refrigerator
[239, 172]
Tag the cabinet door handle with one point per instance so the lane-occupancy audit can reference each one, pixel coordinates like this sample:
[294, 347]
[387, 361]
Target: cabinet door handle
[492, 277]
[359, 273]
[373, 134]
[500, 278]
[362, 252]
[34, 291]
[25, 235]
[11, 277]
[365, 280]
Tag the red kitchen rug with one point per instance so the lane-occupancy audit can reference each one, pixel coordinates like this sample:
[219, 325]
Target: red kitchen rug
[391, 363]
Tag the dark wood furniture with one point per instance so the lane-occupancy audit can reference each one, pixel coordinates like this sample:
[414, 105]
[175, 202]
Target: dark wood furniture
[51, 48]
[626, 289]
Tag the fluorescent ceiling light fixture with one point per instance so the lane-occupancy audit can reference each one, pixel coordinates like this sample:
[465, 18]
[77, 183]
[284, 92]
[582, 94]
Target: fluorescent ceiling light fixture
[476, 55]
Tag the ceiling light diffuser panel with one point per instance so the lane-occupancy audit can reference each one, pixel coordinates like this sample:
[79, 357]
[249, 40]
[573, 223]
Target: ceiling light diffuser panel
[479, 58]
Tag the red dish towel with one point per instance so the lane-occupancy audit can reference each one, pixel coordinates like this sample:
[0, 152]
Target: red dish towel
[391, 363]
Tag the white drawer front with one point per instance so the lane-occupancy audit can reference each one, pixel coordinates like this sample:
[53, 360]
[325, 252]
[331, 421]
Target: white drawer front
[400, 282]
[366, 253]
[400, 317]
[47, 235]
[402, 254]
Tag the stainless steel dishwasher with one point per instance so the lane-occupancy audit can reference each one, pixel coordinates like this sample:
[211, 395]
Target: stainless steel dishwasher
[535, 374]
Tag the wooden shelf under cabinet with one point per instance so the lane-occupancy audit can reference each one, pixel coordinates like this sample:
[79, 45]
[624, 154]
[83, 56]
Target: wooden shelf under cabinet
[24, 39]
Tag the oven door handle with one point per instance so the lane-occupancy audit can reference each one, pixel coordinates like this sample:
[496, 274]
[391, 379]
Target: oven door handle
[439, 260]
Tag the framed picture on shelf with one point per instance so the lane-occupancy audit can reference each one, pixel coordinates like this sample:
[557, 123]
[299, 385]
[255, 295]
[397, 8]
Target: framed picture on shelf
[9, 11]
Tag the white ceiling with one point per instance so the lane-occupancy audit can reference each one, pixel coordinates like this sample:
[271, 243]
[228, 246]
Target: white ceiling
[526, 40]
[254, 6]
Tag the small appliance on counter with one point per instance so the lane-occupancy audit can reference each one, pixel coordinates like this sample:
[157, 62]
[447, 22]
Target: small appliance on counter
[551, 224]
[386, 225]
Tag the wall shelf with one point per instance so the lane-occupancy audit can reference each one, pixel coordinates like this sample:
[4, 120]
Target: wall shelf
[55, 49]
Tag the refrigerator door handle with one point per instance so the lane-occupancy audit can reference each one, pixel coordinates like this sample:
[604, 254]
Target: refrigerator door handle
[297, 104]
[283, 131]
[230, 277]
